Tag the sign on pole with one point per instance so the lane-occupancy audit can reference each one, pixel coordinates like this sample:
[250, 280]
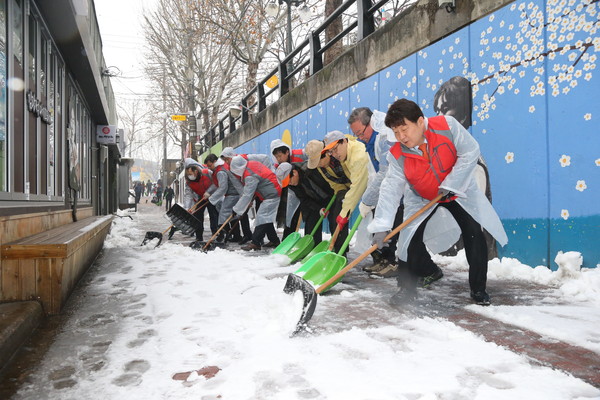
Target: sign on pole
[179, 117]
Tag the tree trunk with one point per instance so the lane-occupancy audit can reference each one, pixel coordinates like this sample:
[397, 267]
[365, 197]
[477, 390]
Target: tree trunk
[251, 81]
[332, 31]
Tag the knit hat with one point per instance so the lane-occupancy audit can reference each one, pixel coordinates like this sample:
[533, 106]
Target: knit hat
[332, 138]
[238, 165]
[228, 152]
[313, 150]
[283, 174]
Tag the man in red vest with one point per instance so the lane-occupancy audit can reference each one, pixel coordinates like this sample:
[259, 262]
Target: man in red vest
[432, 156]
[198, 179]
[259, 181]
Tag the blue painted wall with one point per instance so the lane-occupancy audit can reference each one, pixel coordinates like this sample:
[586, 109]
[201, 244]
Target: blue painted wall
[535, 89]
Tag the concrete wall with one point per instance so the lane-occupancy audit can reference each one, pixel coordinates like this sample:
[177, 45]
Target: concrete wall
[531, 65]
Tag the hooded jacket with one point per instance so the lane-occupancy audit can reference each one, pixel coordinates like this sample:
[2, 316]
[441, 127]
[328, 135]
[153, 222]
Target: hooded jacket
[296, 155]
[195, 189]
[354, 165]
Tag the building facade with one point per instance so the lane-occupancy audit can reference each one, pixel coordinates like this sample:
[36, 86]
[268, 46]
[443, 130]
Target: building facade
[55, 93]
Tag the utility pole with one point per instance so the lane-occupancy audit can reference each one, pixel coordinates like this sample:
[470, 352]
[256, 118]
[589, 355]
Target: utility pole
[165, 175]
[192, 98]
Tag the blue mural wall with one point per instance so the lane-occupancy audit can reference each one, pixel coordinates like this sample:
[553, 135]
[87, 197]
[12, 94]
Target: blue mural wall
[535, 93]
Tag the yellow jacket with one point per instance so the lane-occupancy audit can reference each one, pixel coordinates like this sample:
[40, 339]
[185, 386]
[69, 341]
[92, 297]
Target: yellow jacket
[356, 167]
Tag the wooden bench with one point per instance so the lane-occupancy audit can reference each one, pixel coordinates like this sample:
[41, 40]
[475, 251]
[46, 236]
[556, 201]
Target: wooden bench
[47, 266]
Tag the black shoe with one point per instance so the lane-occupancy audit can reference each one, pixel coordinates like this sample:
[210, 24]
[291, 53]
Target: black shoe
[220, 237]
[233, 238]
[245, 240]
[403, 296]
[425, 281]
[272, 245]
[251, 247]
[377, 257]
[481, 298]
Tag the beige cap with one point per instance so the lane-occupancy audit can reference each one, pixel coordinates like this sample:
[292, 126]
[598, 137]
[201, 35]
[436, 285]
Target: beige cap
[313, 150]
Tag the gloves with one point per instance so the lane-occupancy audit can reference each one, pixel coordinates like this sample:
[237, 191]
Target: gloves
[323, 212]
[235, 217]
[364, 209]
[206, 195]
[341, 221]
[378, 239]
[448, 195]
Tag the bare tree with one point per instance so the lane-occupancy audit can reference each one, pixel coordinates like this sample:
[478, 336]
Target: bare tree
[134, 119]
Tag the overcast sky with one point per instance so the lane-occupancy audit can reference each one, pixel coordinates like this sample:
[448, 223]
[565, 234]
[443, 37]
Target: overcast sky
[120, 24]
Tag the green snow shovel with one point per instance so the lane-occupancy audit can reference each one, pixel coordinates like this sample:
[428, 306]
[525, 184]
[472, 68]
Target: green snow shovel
[306, 243]
[289, 241]
[319, 250]
[325, 265]
[309, 293]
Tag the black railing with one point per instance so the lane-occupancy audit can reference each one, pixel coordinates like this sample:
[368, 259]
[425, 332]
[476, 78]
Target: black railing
[364, 24]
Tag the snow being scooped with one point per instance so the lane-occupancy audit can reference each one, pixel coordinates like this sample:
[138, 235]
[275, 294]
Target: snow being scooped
[309, 293]
[150, 235]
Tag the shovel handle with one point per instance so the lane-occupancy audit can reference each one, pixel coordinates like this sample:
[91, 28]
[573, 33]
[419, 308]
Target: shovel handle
[333, 239]
[299, 221]
[217, 232]
[318, 224]
[371, 249]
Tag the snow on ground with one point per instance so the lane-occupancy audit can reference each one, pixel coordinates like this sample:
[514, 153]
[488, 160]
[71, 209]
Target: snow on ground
[188, 310]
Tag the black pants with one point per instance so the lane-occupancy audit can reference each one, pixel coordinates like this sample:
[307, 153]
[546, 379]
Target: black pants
[419, 260]
[262, 230]
[213, 216]
[168, 204]
[310, 218]
[334, 211]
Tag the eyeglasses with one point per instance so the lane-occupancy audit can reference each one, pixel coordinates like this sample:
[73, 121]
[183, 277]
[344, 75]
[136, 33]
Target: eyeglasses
[334, 148]
[324, 154]
[359, 135]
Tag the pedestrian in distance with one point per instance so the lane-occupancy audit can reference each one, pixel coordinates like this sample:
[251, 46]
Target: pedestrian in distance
[259, 181]
[197, 181]
[168, 196]
[434, 156]
[138, 189]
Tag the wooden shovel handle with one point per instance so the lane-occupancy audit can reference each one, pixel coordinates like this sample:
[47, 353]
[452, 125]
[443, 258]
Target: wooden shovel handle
[299, 221]
[217, 232]
[333, 239]
[374, 247]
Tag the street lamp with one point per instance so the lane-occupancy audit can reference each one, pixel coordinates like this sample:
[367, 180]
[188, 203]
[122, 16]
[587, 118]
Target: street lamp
[272, 9]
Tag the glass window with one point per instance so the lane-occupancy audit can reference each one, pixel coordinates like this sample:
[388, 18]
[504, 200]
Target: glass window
[51, 135]
[3, 104]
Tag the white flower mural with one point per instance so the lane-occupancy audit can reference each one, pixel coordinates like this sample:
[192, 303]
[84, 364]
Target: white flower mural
[587, 116]
[597, 162]
[565, 161]
[509, 157]
[564, 214]
[581, 186]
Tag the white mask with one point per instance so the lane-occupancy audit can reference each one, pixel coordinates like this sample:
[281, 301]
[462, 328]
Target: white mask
[191, 177]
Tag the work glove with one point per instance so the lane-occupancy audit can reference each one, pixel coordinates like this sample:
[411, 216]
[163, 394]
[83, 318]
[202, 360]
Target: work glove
[206, 195]
[448, 195]
[341, 221]
[323, 212]
[378, 238]
[235, 217]
[364, 209]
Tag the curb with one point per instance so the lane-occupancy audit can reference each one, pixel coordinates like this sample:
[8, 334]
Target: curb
[18, 321]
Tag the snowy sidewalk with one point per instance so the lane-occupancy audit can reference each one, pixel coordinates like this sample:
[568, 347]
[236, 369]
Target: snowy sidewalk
[145, 318]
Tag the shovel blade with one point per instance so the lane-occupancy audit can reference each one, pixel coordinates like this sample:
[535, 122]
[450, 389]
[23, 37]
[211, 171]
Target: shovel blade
[324, 268]
[151, 236]
[200, 245]
[287, 243]
[321, 247]
[301, 248]
[295, 283]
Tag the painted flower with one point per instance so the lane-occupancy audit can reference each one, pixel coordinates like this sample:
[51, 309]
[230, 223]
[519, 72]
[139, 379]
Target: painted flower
[597, 162]
[565, 161]
[509, 157]
[587, 116]
[531, 109]
[581, 186]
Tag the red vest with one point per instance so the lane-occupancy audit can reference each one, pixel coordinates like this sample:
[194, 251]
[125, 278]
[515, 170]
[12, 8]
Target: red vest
[224, 166]
[262, 171]
[297, 156]
[201, 184]
[425, 176]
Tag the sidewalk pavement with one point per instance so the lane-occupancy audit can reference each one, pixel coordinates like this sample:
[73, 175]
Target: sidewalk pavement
[19, 320]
